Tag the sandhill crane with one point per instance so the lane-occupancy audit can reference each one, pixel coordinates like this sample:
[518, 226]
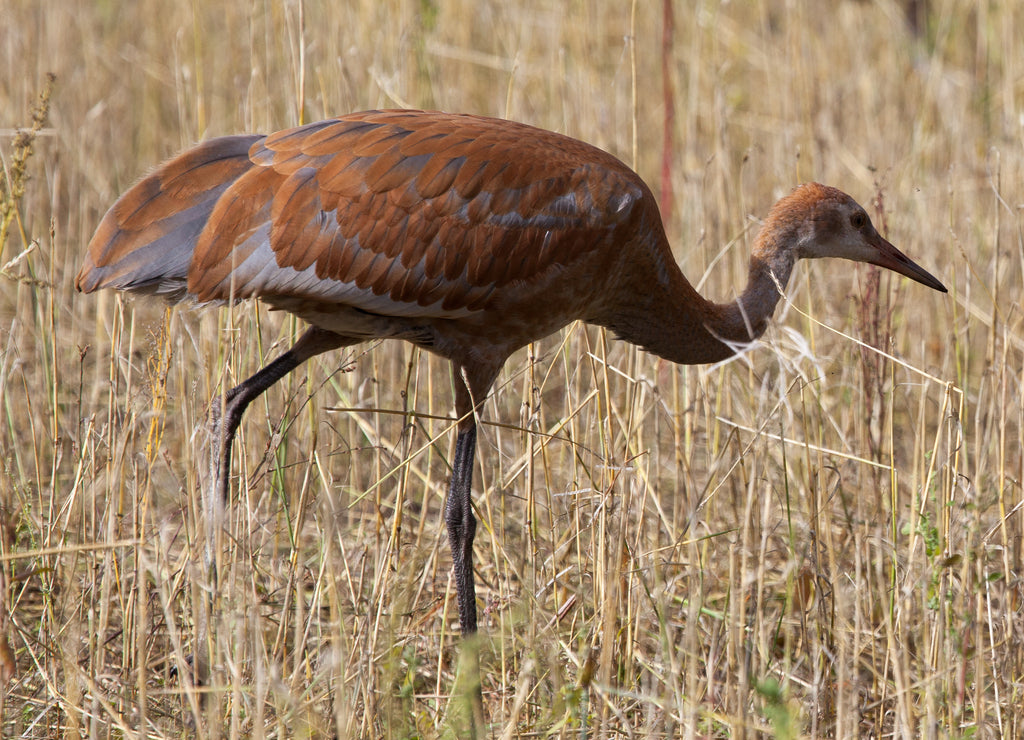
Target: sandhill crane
[467, 236]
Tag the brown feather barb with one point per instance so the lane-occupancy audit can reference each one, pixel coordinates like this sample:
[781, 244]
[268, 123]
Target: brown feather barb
[468, 236]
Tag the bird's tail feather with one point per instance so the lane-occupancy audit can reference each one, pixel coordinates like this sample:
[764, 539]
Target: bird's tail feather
[146, 240]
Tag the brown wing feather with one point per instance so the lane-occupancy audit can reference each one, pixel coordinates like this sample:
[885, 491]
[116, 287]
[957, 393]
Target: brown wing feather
[145, 241]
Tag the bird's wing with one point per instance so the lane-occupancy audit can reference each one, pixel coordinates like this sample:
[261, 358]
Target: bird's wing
[406, 213]
[145, 241]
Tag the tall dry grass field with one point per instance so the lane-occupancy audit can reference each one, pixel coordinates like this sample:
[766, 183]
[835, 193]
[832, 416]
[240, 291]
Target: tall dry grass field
[819, 538]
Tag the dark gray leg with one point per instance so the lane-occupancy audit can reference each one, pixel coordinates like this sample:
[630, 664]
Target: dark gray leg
[314, 342]
[224, 425]
[461, 523]
[471, 387]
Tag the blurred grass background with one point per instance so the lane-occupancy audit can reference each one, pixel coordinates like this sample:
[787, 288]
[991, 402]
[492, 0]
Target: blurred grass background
[813, 540]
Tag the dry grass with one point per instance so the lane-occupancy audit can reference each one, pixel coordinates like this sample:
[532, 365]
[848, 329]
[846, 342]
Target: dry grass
[653, 559]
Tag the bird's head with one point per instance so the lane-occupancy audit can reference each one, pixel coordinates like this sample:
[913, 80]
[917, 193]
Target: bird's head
[820, 221]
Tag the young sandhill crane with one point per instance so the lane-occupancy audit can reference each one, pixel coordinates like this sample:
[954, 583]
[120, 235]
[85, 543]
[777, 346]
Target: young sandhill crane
[467, 236]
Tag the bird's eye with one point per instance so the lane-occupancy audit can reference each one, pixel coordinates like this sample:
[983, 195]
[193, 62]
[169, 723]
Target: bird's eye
[859, 220]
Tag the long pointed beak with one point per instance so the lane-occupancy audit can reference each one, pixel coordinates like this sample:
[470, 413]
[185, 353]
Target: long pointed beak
[893, 259]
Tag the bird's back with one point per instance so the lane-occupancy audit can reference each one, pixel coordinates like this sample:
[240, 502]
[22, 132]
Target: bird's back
[398, 213]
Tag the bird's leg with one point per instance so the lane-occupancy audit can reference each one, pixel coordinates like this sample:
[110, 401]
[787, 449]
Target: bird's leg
[226, 415]
[461, 523]
[235, 401]
[471, 389]
[225, 424]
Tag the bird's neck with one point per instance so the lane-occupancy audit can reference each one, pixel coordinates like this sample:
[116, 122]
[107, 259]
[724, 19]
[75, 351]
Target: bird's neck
[670, 319]
[746, 318]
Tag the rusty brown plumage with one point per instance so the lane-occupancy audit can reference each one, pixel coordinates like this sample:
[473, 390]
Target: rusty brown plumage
[146, 240]
[466, 235]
